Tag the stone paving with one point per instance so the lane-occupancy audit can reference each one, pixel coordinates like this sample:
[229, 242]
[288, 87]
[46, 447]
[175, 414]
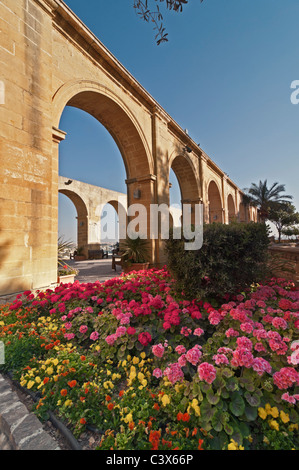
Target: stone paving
[94, 270]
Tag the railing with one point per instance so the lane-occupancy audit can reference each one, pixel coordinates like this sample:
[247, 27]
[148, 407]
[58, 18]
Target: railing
[285, 261]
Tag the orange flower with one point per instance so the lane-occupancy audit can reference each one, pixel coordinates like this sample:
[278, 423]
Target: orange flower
[110, 406]
[200, 442]
[186, 417]
[63, 392]
[82, 358]
[82, 421]
[108, 398]
[72, 383]
[46, 380]
[156, 406]
[154, 439]
[131, 425]
[179, 416]
[121, 393]
[194, 432]
[82, 399]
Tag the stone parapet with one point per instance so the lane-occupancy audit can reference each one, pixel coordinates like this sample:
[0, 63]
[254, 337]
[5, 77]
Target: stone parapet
[285, 260]
[20, 429]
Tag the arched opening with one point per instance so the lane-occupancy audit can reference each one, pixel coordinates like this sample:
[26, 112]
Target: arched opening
[81, 236]
[215, 204]
[115, 120]
[184, 180]
[175, 200]
[231, 209]
[113, 224]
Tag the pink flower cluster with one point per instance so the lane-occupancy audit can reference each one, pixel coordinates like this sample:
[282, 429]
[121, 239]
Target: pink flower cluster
[286, 377]
[206, 372]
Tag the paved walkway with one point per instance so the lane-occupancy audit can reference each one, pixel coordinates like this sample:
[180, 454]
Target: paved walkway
[94, 270]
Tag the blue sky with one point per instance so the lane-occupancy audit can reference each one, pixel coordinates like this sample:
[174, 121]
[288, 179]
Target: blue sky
[224, 75]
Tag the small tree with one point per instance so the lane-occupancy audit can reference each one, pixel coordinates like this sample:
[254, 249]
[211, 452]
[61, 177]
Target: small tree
[283, 216]
[145, 10]
[263, 197]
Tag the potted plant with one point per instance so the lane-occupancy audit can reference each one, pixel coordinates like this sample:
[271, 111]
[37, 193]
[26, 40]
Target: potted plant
[135, 254]
[65, 273]
[79, 254]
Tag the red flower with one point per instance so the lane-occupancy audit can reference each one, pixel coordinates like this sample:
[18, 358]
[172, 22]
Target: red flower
[186, 417]
[144, 338]
[131, 330]
[72, 383]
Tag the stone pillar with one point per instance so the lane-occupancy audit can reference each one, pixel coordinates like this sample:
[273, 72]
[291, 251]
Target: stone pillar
[141, 191]
[204, 189]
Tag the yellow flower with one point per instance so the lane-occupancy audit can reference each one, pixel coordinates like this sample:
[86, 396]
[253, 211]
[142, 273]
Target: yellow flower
[268, 408]
[140, 376]
[38, 380]
[274, 424]
[128, 418]
[50, 370]
[232, 445]
[262, 413]
[55, 362]
[129, 358]
[274, 412]
[284, 417]
[143, 355]
[30, 384]
[68, 403]
[165, 400]
[135, 360]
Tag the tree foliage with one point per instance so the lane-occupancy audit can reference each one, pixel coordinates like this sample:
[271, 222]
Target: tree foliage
[149, 11]
[262, 196]
[284, 217]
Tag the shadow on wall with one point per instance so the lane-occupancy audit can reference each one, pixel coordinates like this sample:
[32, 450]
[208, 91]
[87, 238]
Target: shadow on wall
[9, 269]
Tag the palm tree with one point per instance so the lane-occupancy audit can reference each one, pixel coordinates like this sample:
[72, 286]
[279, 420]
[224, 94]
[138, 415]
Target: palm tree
[261, 196]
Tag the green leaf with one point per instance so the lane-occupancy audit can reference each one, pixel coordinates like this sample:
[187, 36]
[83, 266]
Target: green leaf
[237, 404]
[228, 429]
[250, 413]
[207, 412]
[216, 422]
[212, 398]
[232, 384]
[253, 400]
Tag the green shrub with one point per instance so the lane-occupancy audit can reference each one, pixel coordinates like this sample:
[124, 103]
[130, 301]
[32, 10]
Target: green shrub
[231, 258]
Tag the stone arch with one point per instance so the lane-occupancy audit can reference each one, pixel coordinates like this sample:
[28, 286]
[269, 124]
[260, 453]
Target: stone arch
[186, 175]
[231, 209]
[82, 216]
[121, 211]
[114, 115]
[215, 203]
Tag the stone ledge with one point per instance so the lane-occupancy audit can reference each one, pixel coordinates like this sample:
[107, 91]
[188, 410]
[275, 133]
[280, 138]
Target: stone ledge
[20, 429]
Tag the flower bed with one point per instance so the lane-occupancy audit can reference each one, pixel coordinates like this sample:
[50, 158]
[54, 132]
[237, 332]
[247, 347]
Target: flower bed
[151, 369]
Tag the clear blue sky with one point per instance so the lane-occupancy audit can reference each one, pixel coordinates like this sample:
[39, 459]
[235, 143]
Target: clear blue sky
[225, 75]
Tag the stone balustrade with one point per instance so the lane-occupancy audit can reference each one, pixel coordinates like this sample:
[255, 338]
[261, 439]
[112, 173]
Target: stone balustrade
[285, 261]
